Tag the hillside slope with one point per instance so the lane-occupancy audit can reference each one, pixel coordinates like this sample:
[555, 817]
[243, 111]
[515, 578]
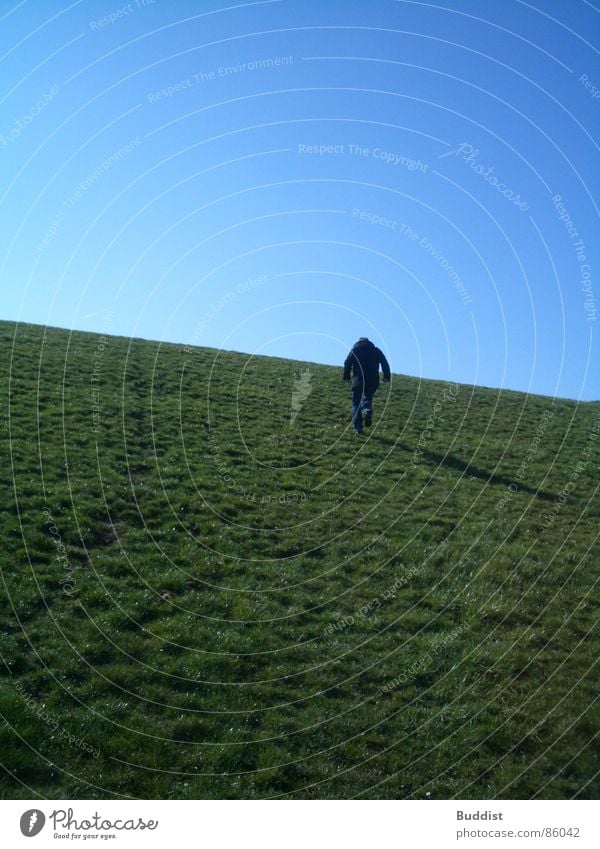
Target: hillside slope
[213, 589]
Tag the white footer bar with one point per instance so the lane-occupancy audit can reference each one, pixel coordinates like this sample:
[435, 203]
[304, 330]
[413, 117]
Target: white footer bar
[302, 824]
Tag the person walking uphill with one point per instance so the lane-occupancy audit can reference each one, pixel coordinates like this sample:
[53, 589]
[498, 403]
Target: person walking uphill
[361, 368]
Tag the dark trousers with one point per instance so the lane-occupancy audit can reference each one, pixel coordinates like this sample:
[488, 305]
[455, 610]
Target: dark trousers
[362, 403]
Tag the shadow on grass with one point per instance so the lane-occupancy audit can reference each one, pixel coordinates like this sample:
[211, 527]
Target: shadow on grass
[466, 467]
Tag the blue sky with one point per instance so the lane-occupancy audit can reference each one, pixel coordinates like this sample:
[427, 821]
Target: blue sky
[282, 177]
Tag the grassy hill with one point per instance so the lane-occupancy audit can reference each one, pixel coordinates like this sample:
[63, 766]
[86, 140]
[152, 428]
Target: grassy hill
[211, 588]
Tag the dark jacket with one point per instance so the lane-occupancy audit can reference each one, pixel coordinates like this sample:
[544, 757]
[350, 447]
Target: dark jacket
[362, 363]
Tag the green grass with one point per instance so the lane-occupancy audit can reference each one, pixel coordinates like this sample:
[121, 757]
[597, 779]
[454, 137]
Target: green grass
[257, 609]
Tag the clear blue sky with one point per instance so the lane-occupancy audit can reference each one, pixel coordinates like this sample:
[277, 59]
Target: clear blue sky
[282, 177]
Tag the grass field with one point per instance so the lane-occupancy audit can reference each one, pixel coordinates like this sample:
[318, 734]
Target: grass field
[211, 588]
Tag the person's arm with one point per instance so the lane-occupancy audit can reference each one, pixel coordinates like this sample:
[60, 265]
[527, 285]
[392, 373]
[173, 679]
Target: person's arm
[385, 366]
[348, 366]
